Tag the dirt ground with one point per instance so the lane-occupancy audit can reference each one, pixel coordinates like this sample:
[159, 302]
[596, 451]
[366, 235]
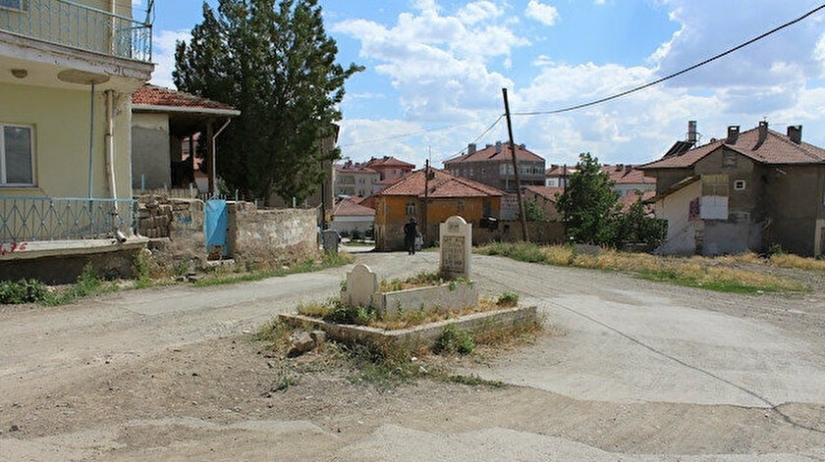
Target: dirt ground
[219, 394]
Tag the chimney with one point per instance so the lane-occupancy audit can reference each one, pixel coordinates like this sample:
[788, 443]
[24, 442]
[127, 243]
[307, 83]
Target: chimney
[733, 134]
[763, 133]
[691, 135]
[795, 133]
[628, 168]
[498, 147]
[471, 148]
[522, 146]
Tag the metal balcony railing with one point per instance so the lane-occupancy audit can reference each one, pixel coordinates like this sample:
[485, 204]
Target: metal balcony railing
[25, 219]
[79, 26]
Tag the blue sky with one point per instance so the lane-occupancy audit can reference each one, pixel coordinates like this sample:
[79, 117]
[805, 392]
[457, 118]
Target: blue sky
[435, 70]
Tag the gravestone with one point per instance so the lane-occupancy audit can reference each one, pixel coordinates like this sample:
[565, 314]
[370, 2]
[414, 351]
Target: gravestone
[330, 239]
[456, 239]
[361, 284]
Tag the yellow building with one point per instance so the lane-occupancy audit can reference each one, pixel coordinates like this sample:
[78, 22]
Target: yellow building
[430, 198]
[67, 70]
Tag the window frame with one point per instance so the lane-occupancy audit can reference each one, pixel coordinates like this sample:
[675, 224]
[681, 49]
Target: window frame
[22, 6]
[4, 183]
[739, 185]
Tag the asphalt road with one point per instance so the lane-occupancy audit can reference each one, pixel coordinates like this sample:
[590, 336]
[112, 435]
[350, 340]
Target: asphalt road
[614, 341]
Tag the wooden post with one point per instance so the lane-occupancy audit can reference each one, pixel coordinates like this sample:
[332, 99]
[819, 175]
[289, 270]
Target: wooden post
[515, 168]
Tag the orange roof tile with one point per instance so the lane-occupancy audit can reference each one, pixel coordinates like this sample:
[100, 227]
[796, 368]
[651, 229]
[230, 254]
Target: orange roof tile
[547, 192]
[388, 161]
[154, 96]
[348, 207]
[442, 185]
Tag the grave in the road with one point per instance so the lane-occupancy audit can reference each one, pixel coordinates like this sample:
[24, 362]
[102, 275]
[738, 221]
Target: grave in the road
[455, 247]
[458, 294]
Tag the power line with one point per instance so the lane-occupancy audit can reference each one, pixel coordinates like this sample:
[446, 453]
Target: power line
[676, 74]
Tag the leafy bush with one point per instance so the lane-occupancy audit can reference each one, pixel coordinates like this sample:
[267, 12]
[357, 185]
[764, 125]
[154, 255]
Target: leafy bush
[507, 299]
[348, 314]
[356, 235]
[454, 340]
[22, 291]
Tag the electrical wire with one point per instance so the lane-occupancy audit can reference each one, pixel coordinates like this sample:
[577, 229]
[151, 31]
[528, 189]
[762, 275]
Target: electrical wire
[675, 74]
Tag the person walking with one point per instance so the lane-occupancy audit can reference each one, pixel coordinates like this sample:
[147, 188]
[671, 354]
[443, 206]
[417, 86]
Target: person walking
[410, 233]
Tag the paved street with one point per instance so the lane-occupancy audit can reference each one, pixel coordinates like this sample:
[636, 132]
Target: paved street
[627, 370]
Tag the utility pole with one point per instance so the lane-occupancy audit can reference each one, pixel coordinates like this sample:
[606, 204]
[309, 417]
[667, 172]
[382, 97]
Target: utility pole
[515, 168]
[426, 200]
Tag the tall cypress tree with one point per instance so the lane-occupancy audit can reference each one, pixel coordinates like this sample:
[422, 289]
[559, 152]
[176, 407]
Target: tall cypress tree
[274, 62]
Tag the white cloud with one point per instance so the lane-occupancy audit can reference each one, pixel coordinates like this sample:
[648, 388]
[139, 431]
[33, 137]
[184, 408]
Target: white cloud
[478, 11]
[440, 64]
[545, 14]
[163, 54]
[449, 68]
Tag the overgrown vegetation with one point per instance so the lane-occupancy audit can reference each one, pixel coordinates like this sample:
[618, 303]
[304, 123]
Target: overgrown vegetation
[333, 310]
[22, 291]
[591, 213]
[454, 340]
[725, 274]
[388, 366]
[422, 279]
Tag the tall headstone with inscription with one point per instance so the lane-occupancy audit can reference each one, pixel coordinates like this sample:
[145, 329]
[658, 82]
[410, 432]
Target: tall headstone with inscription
[456, 242]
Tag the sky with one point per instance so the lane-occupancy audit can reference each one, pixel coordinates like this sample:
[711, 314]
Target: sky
[435, 70]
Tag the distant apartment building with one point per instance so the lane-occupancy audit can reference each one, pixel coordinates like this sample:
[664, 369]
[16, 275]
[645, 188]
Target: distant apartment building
[354, 180]
[493, 166]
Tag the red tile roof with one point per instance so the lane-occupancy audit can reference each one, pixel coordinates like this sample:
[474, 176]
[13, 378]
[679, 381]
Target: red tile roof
[494, 153]
[441, 185]
[387, 162]
[347, 207]
[776, 149]
[546, 191]
[560, 170]
[627, 174]
[154, 96]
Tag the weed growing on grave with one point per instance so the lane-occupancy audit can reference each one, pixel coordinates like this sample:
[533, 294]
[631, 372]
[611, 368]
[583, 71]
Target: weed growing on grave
[454, 340]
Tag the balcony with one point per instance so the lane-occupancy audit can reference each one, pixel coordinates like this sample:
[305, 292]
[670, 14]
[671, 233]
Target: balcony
[62, 22]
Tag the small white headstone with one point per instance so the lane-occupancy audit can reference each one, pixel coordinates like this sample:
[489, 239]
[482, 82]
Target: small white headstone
[456, 239]
[361, 284]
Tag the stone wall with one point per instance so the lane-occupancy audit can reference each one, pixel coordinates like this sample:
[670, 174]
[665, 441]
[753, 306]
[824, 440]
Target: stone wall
[269, 238]
[273, 237]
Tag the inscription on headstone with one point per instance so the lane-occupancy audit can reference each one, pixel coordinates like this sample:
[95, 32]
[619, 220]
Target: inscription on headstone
[456, 238]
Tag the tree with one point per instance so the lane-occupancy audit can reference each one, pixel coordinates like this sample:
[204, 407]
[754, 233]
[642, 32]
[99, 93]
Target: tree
[274, 63]
[532, 210]
[635, 227]
[588, 206]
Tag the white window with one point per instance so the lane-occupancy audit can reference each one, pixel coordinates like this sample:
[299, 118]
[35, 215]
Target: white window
[16, 155]
[410, 209]
[14, 4]
[739, 185]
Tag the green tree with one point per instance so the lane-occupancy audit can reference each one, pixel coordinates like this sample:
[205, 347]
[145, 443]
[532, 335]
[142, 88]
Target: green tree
[273, 61]
[588, 206]
[532, 210]
[635, 227]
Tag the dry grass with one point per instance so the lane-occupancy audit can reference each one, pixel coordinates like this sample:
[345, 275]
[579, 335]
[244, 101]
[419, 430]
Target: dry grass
[747, 273]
